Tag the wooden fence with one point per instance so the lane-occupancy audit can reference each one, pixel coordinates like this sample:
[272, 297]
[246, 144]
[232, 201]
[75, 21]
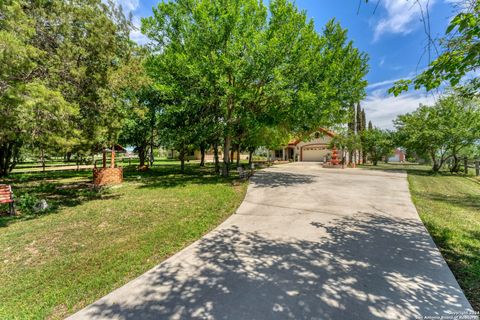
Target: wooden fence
[474, 164]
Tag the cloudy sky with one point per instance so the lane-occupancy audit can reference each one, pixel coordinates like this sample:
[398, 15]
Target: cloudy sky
[390, 31]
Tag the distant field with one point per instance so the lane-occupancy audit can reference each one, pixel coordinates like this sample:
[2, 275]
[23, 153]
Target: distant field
[91, 242]
[449, 206]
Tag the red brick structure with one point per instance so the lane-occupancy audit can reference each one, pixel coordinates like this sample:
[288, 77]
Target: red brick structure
[107, 176]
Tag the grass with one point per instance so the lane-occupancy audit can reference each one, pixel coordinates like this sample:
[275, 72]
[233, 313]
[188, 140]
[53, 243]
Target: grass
[449, 206]
[91, 242]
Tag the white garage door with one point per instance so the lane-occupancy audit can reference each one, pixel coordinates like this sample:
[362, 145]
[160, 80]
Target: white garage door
[315, 153]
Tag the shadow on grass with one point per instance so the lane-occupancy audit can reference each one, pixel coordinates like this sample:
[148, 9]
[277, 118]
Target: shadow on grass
[368, 267]
[168, 176]
[57, 193]
[460, 254]
[465, 200]
[71, 188]
[412, 169]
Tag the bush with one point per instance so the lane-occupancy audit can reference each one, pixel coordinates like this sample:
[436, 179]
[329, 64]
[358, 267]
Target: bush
[26, 203]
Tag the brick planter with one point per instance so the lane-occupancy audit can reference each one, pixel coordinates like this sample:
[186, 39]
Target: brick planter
[107, 176]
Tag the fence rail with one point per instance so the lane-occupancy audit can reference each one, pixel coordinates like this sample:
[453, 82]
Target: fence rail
[474, 164]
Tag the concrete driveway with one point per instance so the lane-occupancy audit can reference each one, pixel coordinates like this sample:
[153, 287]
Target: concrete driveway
[306, 243]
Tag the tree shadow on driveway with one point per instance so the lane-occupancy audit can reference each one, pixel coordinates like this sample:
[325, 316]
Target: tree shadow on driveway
[366, 267]
[271, 179]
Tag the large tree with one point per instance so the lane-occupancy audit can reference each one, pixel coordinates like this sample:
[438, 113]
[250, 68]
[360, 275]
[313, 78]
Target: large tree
[33, 113]
[57, 61]
[378, 144]
[247, 65]
[442, 130]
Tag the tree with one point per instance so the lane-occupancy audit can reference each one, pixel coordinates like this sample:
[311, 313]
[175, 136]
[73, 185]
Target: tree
[442, 130]
[57, 59]
[32, 113]
[460, 55]
[246, 65]
[363, 129]
[346, 141]
[463, 132]
[351, 131]
[378, 144]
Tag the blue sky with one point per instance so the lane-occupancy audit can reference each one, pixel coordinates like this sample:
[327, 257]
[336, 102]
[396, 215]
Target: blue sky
[392, 35]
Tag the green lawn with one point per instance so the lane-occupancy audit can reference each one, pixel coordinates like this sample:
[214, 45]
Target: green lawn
[92, 242]
[449, 206]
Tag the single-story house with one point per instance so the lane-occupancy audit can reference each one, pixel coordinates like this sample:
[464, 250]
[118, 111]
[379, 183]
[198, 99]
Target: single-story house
[315, 147]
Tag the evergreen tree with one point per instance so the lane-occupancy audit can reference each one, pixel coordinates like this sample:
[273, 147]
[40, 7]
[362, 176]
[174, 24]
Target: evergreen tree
[364, 128]
[351, 131]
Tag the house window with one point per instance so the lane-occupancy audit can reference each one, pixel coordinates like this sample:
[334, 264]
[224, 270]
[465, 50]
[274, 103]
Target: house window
[317, 135]
[278, 153]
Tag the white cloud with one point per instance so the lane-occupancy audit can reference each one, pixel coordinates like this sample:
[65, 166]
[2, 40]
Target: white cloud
[128, 5]
[382, 83]
[460, 4]
[401, 17]
[382, 62]
[136, 35]
[382, 109]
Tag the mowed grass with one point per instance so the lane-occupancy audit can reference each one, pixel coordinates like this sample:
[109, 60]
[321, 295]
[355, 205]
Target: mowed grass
[92, 242]
[449, 206]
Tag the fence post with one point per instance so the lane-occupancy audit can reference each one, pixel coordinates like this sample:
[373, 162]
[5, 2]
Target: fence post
[465, 164]
[477, 168]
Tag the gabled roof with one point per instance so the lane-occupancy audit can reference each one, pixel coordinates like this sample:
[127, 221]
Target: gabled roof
[329, 133]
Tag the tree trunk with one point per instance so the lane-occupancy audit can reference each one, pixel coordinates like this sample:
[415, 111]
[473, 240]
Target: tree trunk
[434, 161]
[42, 155]
[456, 164]
[181, 156]
[215, 156]
[8, 157]
[202, 156]
[141, 156]
[250, 155]
[112, 157]
[152, 159]
[226, 159]
[238, 155]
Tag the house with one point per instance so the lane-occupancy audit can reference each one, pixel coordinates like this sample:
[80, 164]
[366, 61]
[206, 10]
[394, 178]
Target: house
[398, 156]
[315, 147]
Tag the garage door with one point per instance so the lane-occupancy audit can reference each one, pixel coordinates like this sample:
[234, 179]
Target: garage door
[315, 153]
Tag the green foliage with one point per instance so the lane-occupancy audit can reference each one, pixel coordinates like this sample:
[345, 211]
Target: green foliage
[377, 143]
[26, 203]
[442, 130]
[460, 55]
[234, 67]
[56, 89]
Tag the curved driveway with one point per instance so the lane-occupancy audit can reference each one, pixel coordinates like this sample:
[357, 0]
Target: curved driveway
[306, 243]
